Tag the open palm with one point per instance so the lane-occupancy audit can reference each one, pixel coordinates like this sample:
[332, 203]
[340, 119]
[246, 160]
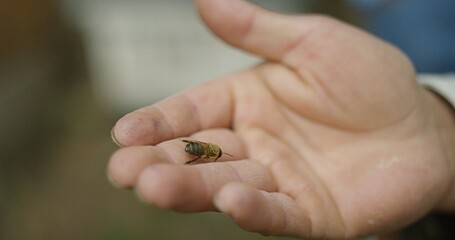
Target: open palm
[331, 136]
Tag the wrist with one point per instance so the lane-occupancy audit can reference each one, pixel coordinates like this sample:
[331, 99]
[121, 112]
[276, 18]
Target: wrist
[444, 116]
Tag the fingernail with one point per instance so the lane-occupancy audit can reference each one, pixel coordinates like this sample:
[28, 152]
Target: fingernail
[114, 139]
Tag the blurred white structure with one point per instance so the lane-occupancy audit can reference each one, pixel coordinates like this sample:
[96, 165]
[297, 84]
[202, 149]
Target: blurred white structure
[142, 51]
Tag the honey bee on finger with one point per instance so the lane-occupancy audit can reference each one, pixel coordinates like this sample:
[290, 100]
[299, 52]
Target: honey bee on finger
[209, 151]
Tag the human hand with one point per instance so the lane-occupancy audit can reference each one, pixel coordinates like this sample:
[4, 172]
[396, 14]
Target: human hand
[331, 136]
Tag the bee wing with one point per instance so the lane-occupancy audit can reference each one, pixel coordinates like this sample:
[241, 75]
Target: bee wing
[194, 141]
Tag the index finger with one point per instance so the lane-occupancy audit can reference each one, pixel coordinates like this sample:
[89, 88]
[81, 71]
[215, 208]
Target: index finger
[205, 106]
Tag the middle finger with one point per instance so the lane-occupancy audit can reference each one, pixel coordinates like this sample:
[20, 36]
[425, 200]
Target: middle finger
[192, 188]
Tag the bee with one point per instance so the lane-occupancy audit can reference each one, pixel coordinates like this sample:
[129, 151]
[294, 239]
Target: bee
[203, 150]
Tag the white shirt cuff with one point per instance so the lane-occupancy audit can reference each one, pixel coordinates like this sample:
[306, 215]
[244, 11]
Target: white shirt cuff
[443, 84]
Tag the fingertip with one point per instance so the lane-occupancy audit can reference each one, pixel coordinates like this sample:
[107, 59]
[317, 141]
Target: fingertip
[114, 138]
[126, 164]
[156, 186]
[132, 130]
[263, 212]
[227, 19]
[251, 28]
[112, 181]
[232, 195]
[119, 171]
[241, 202]
[210, 9]
[171, 186]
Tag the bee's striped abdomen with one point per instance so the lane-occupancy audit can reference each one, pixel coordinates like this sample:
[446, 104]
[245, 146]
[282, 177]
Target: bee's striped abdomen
[194, 149]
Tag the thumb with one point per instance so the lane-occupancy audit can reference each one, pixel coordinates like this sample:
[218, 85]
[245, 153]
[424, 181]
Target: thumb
[251, 28]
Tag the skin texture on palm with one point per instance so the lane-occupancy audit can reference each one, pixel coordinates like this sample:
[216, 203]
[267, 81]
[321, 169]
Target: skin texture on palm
[332, 137]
